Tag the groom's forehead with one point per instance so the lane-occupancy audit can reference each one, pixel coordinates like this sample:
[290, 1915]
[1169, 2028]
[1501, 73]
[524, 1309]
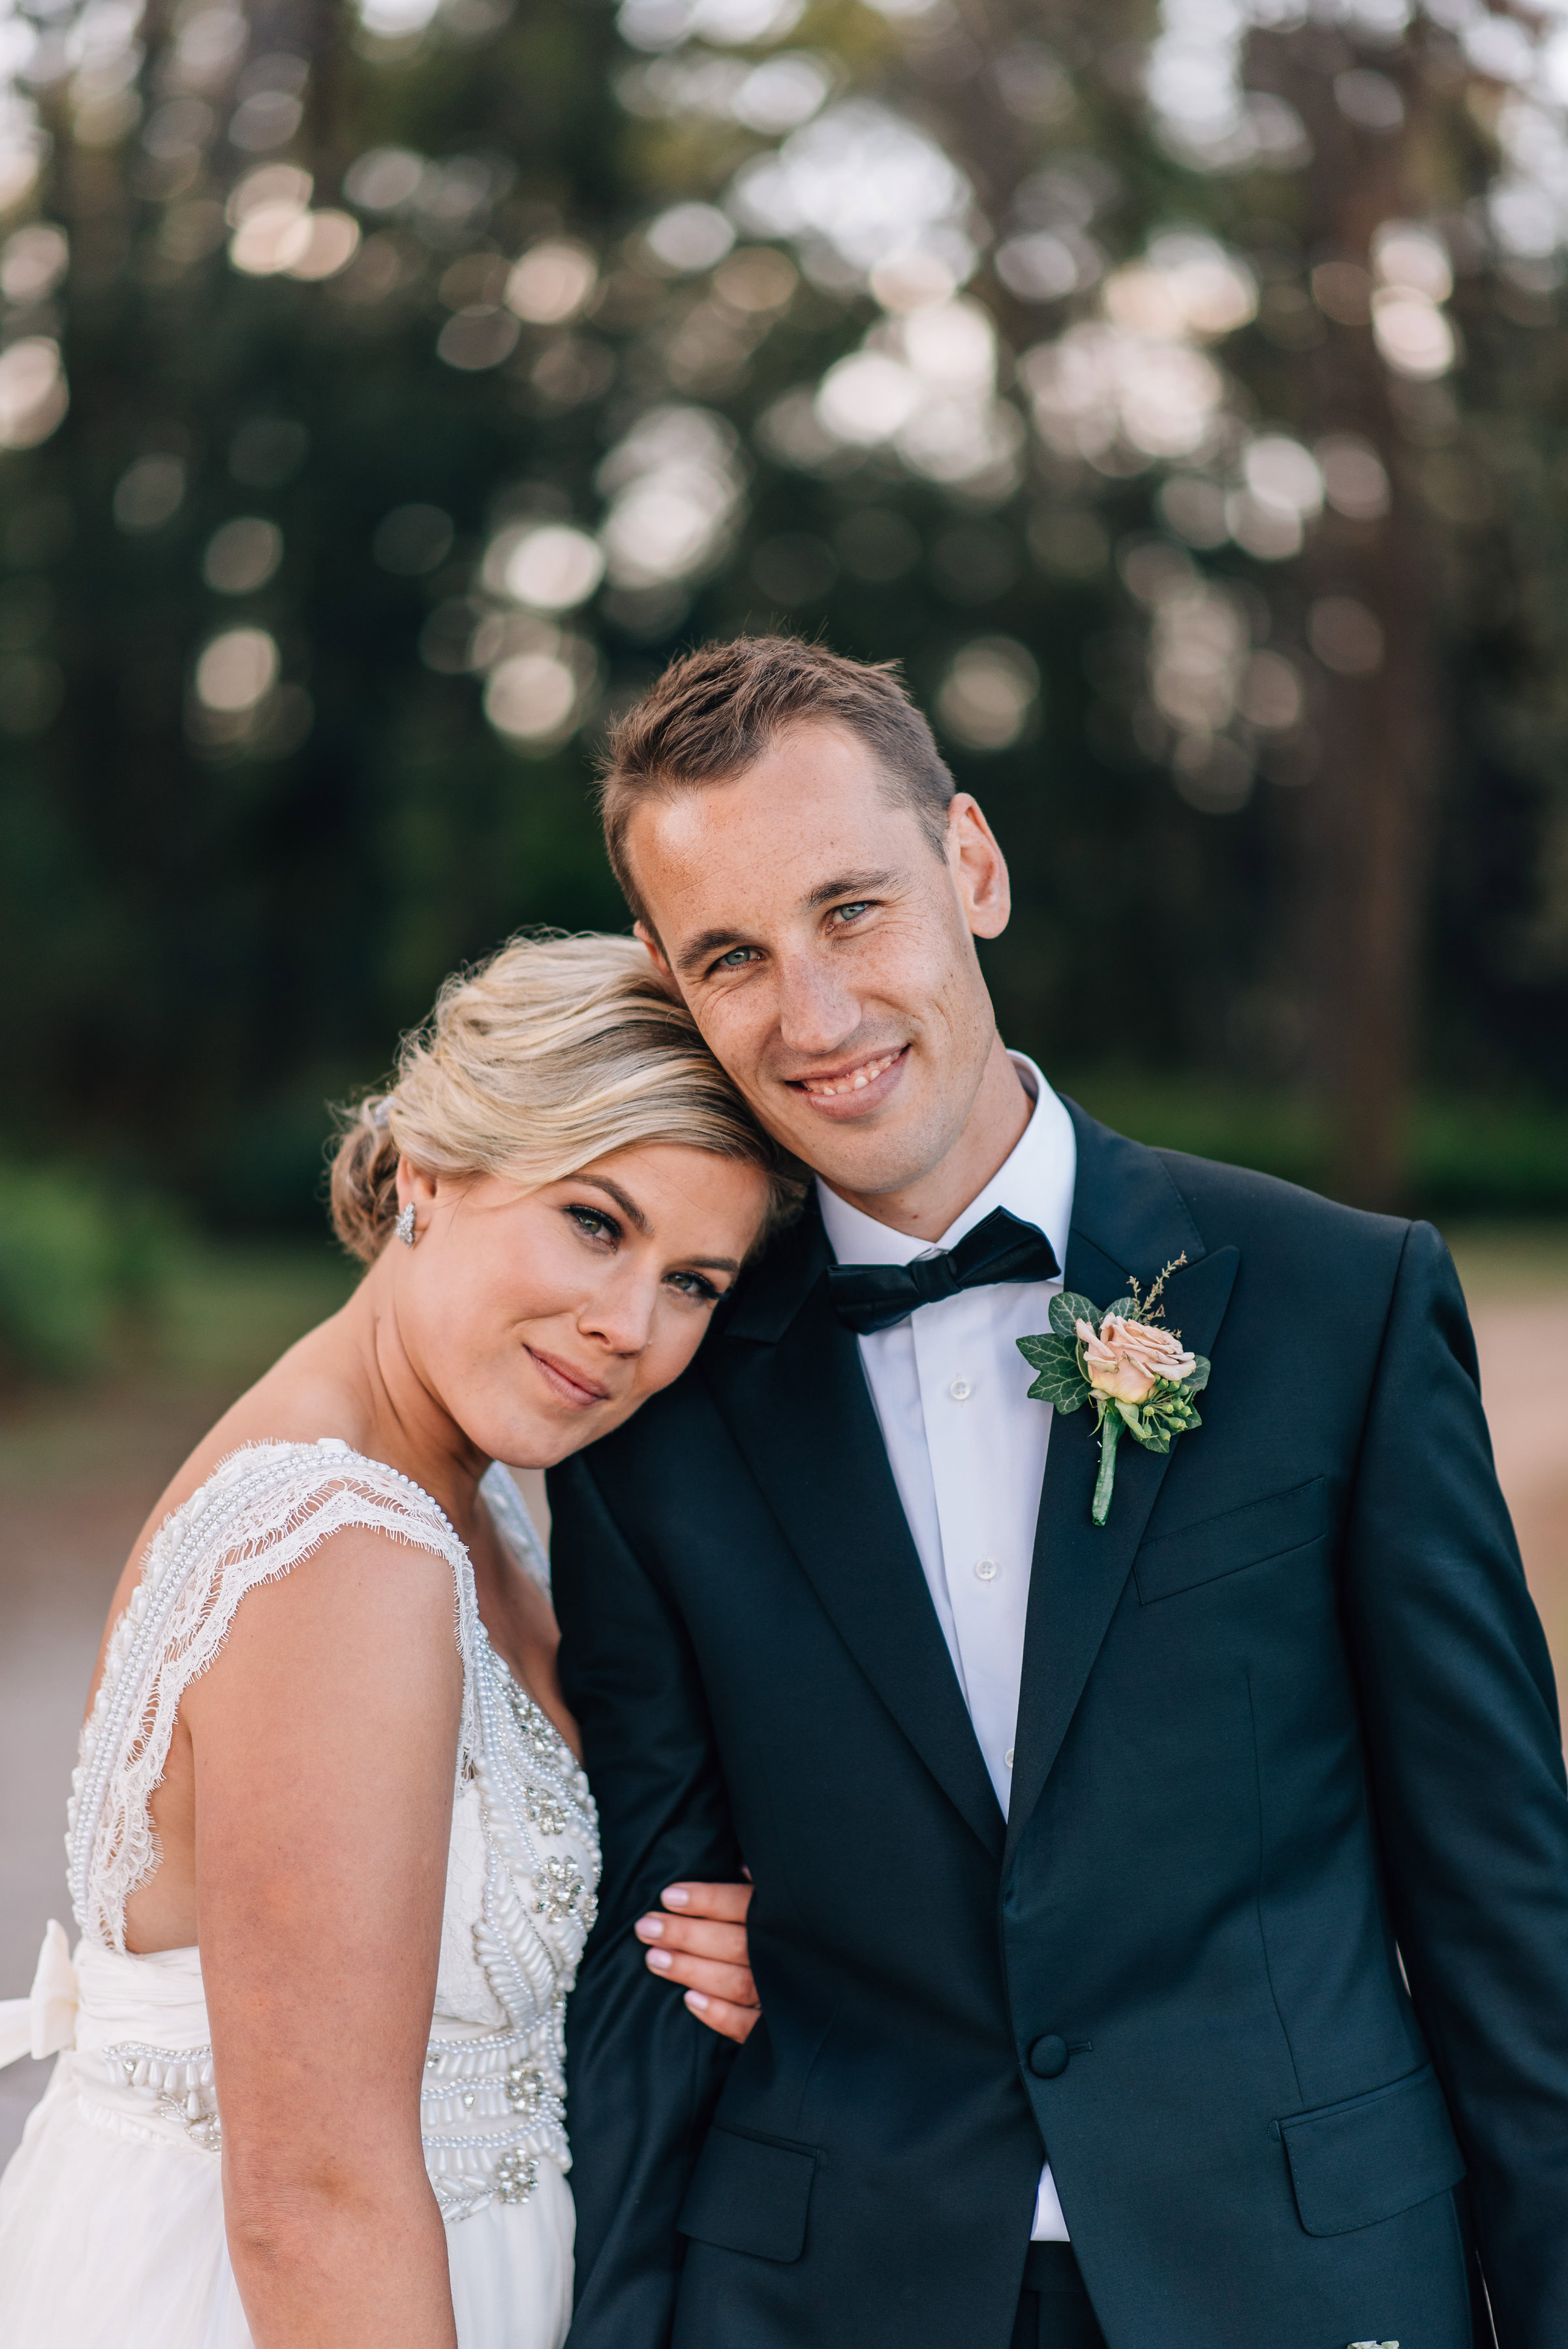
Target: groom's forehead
[779, 835]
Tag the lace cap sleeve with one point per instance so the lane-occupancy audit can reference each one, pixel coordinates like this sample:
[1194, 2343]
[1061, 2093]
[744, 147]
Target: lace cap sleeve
[262, 1511]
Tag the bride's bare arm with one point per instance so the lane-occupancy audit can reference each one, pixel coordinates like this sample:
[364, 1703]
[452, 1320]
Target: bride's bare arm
[325, 1738]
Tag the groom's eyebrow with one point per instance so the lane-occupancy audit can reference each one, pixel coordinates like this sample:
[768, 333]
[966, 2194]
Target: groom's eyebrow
[705, 943]
[852, 884]
[693, 955]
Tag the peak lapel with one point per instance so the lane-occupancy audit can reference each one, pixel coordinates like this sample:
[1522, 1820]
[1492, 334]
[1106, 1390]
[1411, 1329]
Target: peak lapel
[1128, 1216]
[787, 1378]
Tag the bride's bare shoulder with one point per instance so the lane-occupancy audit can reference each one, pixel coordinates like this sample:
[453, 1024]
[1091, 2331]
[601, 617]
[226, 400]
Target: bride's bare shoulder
[308, 1392]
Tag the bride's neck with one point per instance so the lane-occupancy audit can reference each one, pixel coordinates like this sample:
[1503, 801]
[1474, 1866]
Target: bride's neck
[399, 1416]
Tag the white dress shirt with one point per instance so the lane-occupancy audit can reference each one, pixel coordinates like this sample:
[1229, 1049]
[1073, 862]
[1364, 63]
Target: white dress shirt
[966, 1446]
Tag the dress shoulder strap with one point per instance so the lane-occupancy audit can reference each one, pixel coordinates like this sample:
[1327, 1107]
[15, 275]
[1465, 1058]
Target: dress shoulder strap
[510, 1515]
[263, 1510]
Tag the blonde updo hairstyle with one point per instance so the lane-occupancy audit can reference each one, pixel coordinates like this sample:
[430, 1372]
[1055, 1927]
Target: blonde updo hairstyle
[555, 1052]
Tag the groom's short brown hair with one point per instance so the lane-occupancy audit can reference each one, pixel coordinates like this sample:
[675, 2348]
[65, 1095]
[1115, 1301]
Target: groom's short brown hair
[714, 711]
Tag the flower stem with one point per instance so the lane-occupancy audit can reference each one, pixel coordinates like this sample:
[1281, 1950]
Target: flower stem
[1110, 1431]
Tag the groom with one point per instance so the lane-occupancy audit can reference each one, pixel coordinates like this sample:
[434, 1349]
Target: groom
[1161, 1928]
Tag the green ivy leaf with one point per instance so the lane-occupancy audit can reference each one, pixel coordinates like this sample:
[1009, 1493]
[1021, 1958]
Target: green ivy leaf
[1125, 1308]
[1059, 1381]
[1069, 1307]
[1197, 1378]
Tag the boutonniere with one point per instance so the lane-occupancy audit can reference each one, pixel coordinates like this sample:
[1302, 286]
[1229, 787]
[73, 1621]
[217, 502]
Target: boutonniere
[1137, 1375]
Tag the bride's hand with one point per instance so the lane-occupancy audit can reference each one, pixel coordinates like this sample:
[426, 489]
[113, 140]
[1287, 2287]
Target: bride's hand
[700, 1942]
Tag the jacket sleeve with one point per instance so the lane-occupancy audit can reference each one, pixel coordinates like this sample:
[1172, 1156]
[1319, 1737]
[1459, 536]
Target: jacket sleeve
[1465, 1756]
[642, 2074]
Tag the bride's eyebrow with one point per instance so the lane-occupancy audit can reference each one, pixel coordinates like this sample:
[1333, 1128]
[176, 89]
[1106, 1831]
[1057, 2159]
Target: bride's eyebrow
[626, 1204]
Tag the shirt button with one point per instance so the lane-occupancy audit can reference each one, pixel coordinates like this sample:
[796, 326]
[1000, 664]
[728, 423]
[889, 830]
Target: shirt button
[961, 1391]
[1007, 1757]
[986, 1568]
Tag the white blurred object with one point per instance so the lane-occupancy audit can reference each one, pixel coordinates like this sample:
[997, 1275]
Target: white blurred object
[385, 178]
[33, 262]
[237, 670]
[270, 240]
[242, 555]
[1186, 285]
[34, 396]
[1279, 473]
[552, 282]
[989, 694]
[1099, 383]
[149, 493]
[1412, 334]
[397, 20]
[662, 24]
[1354, 481]
[531, 696]
[331, 245]
[1413, 258]
[271, 185]
[862, 183]
[690, 236]
[1345, 637]
[549, 566]
[674, 484]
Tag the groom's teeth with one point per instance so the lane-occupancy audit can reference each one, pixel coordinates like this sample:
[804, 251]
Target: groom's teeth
[828, 1086]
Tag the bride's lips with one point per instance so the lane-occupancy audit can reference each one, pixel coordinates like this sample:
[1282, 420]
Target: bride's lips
[571, 1385]
[857, 1088]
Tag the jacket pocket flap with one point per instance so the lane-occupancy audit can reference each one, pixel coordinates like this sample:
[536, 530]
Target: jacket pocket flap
[750, 2194]
[1373, 2157]
[1257, 1531]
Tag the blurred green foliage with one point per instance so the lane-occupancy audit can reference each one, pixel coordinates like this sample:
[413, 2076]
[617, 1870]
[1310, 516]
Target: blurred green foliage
[1469, 1154]
[79, 1268]
[212, 928]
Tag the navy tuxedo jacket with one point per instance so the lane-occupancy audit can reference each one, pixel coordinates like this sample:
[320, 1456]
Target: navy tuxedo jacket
[1272, 1956]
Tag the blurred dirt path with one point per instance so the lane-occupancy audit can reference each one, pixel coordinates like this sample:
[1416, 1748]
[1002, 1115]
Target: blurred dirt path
[1524, 1349]
[77, 1478]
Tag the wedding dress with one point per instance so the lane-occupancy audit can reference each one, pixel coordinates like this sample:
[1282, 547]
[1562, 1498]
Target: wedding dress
[111, 2221]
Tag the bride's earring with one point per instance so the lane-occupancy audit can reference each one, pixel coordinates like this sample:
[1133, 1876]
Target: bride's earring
[405, 1225]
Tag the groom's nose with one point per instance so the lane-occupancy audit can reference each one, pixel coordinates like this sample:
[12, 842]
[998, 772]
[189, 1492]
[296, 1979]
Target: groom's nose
[816, 1011]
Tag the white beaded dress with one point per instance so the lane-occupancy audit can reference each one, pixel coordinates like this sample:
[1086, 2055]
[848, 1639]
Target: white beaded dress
[111, 2220]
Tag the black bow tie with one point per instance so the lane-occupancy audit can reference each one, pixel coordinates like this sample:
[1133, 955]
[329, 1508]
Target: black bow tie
[867, 1297]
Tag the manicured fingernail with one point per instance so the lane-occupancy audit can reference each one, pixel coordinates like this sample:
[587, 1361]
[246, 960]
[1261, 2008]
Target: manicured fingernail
[649, 1928]
[696, 2001]
[661, 1961]
[677, 1897]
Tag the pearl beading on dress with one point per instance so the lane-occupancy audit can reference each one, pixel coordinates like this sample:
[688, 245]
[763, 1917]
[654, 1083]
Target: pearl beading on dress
[181, 2085]
[491, 2104]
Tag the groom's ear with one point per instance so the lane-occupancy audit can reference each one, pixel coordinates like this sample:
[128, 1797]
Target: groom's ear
[656, 955]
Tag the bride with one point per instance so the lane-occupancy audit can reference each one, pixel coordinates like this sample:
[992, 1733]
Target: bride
[331, 1852]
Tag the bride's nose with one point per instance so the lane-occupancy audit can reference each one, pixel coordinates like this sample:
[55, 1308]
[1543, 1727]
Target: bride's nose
[618, 1312]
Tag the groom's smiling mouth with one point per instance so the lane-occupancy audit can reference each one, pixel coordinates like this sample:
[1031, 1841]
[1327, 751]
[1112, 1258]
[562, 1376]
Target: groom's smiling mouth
[863, 1085]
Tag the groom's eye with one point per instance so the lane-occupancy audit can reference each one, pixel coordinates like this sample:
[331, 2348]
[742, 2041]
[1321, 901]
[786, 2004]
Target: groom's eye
[736, 959]
[851, 913]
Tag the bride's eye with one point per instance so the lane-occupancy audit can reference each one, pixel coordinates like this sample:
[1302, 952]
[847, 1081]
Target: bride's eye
[692, 1284]
[593, 1223]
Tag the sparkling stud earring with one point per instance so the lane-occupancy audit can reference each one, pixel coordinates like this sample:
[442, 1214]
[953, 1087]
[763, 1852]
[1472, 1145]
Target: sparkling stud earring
[405, 1225]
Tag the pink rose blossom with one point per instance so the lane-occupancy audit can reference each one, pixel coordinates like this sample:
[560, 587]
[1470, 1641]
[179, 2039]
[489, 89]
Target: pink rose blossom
[1123, 1359]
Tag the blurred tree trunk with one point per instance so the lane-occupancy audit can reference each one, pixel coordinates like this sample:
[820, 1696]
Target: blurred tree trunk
[1367, 825]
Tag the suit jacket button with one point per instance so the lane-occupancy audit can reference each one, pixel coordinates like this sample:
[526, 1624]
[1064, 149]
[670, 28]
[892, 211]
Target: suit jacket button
[1048, 2057]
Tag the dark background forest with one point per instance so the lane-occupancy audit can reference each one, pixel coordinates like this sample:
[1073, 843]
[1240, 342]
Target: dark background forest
[1177, 391]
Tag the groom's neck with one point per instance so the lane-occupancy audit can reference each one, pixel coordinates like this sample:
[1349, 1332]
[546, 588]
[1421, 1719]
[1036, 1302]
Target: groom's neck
[926, 1207]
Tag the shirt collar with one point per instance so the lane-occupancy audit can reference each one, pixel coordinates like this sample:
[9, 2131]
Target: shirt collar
[1034, 1182]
